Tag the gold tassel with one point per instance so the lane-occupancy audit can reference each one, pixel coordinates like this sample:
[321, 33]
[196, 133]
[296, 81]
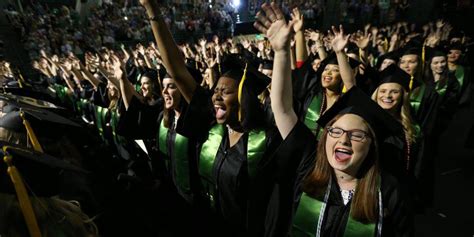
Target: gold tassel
[423, 55]
[241, 86]
[23, 198]
[31, 134]
[411, 82]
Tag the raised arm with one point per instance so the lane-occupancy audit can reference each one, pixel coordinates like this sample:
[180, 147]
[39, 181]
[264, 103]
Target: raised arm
[338, 44]
[301, 53]
[272, 23]
[172, 59]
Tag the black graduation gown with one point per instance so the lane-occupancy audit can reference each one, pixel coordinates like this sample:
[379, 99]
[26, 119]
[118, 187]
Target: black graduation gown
[293, 160]
[234, 201]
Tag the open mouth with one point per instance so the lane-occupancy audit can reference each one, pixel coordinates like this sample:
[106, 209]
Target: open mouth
[220, 111]
[327, 79]
[342, 154]
[387, 101]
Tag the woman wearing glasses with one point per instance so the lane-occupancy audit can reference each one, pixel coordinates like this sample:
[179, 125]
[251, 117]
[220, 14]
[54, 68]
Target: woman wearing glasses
[336, 188]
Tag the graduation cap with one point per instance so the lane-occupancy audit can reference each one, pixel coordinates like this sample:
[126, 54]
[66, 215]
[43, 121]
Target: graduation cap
[430, 53]
[394, 55]
[26, 117]
[26, 173]
[267, 64]
[395, 74]
[456, 46]
[251, 84]
[355, 101]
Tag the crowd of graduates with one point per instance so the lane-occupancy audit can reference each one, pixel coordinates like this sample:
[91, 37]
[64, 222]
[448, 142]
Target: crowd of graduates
[300, 132]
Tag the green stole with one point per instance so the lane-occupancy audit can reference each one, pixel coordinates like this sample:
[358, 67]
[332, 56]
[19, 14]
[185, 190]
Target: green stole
[100, 115]
[255, 149]
[313, 114]
[459, 73]
[309, 218]
[416, 97]
[441, 88]
[180, 156]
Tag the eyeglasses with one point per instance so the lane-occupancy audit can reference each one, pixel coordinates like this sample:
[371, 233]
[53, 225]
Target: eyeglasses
[354, 135]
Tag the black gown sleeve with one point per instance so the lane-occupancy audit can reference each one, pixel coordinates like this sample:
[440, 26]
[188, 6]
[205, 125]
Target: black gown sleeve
[398, 218]
[140, 121]
[292, 160]
[198, 117]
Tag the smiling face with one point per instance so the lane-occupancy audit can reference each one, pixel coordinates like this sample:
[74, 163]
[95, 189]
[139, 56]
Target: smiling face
[389, 96]
[331, 77]
[170, 94]
[438, 64]
[146, 87]
[344, 154]
[409, 63]
[225, 100]
[454, 55]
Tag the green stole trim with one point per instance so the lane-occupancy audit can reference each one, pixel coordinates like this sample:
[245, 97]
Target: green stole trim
[416, 97]
[310, 215]
[255, 149]
[180, 156]
[100, 114]
[313, 114]
[114, 118]
[459, 73]
[441, 88]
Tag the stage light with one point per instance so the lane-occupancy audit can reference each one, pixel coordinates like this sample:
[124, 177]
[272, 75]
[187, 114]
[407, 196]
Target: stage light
[236, 3]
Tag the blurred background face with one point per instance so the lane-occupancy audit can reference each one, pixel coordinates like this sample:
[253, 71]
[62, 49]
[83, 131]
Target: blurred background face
[331, 77]
[438, 64]
[171, 94]
[409, 63]
[146, 87]
[454, 55]
[386, 62]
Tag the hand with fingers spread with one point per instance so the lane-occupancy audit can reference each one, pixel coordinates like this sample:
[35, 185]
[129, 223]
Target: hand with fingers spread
[297, 18]
[362, 41]
[272, 23]
[340, 40]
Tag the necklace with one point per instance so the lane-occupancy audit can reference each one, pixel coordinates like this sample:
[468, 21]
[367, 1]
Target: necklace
[231, 131]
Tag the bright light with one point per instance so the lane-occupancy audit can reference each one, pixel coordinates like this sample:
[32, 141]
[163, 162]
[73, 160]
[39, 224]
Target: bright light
[236, 3]
[210, 6]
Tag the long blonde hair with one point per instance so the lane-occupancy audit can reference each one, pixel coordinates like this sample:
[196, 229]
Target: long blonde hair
[403, 115]
[55, 217]
[364, 203]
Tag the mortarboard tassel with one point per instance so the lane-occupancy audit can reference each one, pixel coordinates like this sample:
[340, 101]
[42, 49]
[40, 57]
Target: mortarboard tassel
[31, 134]
[241, 86]
[423, 55]
[23, 198]
[411, 82]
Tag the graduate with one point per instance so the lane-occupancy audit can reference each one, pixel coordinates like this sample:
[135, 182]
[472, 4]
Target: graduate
[392, 95]
[230, 127]
[336, 188]
[319, 97]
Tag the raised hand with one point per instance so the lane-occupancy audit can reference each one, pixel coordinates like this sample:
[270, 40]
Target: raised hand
[440, 24]
[272, 23]
[340, 40]
[362, 41]
[297, 18]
